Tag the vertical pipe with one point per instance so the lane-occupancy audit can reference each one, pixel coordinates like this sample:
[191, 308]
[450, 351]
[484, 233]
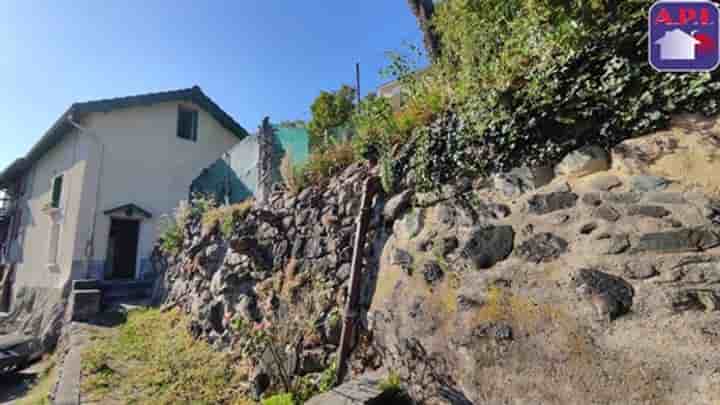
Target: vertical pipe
[351, 308]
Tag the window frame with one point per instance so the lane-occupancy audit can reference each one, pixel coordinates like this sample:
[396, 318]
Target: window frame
[193, 129]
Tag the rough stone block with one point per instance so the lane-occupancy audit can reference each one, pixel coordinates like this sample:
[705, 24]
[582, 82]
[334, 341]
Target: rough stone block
[652, 211]
[542, 204]
[584, 161]
[543, 247]
[681, 240]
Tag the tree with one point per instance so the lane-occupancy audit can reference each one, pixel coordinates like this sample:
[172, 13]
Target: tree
[330, 110]
[293, 124]
[423, 11]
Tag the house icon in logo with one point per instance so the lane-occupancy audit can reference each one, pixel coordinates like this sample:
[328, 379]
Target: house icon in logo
[677, 45]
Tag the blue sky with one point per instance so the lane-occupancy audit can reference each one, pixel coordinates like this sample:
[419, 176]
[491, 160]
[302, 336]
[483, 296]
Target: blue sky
[254, 58]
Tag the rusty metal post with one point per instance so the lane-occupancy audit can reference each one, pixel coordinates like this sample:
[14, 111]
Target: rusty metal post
[370, 188]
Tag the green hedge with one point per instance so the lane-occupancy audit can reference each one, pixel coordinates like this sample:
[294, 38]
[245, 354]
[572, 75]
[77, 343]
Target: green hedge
[602, 93]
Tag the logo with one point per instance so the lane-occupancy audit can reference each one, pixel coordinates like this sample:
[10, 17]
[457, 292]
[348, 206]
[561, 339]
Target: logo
[684, 36]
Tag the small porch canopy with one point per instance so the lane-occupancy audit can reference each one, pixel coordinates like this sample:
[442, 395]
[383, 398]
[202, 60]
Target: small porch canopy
[128, 211]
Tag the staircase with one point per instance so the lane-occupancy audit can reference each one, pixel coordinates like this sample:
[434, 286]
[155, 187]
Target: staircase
[122, 292]
[117, 292]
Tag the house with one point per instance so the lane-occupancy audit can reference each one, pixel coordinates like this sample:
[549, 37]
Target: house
[677, 45]
[396, 91]
[393, 91]
[87, 200]
[237, 175]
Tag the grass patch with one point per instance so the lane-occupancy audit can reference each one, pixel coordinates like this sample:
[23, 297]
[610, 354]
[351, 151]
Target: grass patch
[283, 399]
[329, 162]
[391, 384]
[226, 216]
[153, 359]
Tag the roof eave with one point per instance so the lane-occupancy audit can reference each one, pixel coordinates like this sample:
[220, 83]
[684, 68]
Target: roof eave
[53, 135]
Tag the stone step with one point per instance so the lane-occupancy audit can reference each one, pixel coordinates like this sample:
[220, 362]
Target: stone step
[363, 390]
[114, 290]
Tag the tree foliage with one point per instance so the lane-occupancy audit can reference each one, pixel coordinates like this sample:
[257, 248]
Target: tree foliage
[523, 82]
[423, 11]
[597, 89]
[330, 112]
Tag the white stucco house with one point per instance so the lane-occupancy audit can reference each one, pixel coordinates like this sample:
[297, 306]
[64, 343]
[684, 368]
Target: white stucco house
[86, 201]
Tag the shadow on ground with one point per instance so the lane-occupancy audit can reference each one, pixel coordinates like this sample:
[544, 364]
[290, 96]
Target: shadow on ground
[14, 386]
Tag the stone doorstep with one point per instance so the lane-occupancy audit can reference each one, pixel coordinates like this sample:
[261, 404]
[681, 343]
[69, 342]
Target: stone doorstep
[90, 284]
[85, 304]
[358, 391]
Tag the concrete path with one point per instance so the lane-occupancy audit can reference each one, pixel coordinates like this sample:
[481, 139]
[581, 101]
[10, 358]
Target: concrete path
[68, 390]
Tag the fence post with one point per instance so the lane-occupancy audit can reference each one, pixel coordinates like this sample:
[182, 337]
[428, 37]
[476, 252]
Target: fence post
[350, 319]
[265, 161]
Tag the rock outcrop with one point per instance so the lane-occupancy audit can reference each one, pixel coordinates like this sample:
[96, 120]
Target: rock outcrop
[285, 268]
[602, 286]
[610, 294]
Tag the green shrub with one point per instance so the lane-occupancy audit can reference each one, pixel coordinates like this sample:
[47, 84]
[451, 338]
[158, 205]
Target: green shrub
[282, 399]
[491, 44]
[591, 88]
[171, 236]
[391, 384]
[375, 126]
[324, 164]
[393, 391]
[227, 216]
[293, 176]
[171, 229]
[330, 111]
[304, 388]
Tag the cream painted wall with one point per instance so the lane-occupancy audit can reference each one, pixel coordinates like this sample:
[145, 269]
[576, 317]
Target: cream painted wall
[65, 159]
[139, 159]
[146, 164]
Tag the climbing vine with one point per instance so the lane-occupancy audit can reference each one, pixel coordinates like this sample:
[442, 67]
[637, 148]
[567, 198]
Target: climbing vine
[604, 93]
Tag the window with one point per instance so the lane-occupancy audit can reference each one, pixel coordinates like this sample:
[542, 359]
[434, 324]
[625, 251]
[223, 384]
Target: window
[56, 192]
[187, 123]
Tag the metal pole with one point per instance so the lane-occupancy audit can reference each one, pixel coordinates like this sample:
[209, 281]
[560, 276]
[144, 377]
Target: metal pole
[370, 188]
[357, 80]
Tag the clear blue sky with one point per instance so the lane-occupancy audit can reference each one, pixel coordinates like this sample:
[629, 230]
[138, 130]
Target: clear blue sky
[255, 58]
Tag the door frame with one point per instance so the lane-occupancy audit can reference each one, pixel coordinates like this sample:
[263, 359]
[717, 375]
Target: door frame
[136, 270]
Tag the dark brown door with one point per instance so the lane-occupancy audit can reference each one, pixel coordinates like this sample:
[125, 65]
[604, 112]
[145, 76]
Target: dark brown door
[124, 244]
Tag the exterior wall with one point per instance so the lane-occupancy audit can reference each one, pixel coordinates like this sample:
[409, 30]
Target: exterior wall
[142, 161]
[33, 255]
[238, 169]
[392, 91]
[295, 141]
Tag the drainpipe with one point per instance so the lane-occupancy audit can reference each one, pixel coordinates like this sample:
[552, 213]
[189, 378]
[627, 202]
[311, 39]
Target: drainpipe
[90, 246]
